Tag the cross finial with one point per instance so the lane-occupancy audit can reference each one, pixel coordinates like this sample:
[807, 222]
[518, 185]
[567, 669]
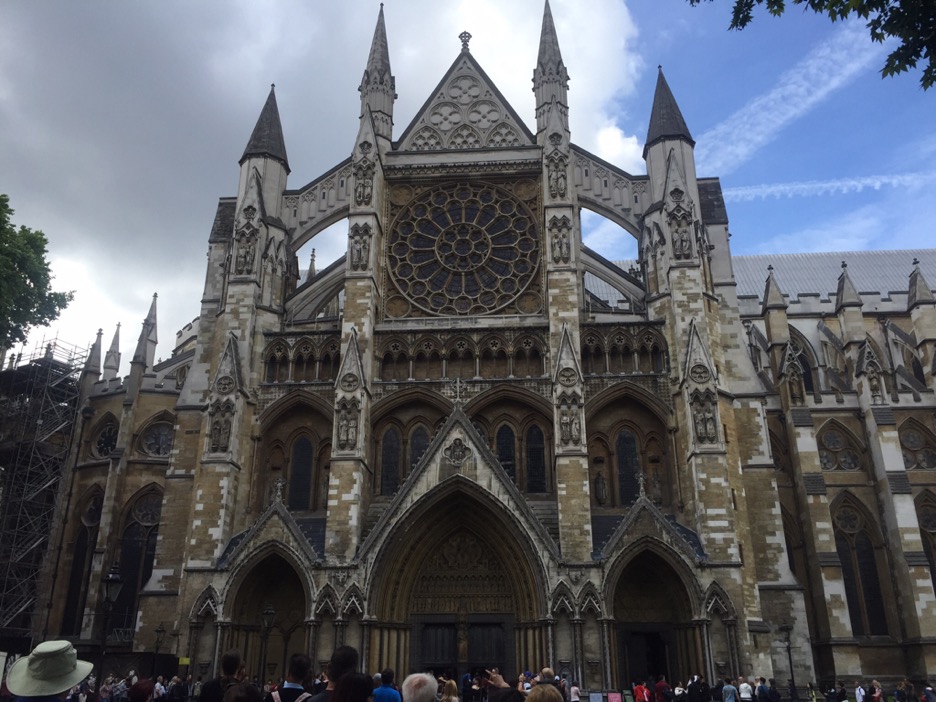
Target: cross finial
[458, 385]
[465, 38]
[916, 261]
[770, 268]
[844, 265]
[640, 482]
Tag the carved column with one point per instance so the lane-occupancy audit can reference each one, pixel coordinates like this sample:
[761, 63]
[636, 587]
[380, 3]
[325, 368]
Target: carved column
[577, 652]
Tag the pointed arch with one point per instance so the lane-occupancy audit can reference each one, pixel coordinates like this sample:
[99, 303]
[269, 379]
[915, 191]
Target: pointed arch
[207, 604]
[86, 529]
[918, 445]
[249, 562]
[327, 602]
[562, 601]
[590, 601]
[840, 448]
[628, 390]
[860, 548]
[925, 504]
[353, 601]
[717, 600]
[808, 361]
[103, 436]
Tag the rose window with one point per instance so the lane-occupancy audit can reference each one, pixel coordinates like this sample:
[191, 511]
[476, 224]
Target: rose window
[916, 451]
[463, 249]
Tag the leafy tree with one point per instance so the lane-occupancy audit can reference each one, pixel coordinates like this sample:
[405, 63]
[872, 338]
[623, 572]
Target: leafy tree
[911, 22]
[26, 298]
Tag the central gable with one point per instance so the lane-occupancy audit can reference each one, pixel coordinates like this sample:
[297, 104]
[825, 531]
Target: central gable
[466, 111]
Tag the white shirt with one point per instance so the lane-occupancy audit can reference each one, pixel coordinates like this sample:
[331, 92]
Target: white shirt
[859, 694]
[746, 692]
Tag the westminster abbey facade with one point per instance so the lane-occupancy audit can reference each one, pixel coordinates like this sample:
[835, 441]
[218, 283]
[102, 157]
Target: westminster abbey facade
[473, 441]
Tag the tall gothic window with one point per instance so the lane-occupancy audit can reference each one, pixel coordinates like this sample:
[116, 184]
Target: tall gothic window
[419, 442]
[390, 450]
[507, 450]
[536, 459]
[137, 553]
[82, 551]
[860, 572]
[926, 514]
[628, 466]
[300, 474]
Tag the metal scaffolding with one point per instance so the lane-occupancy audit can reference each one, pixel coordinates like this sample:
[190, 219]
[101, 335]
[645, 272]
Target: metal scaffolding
[38, 410]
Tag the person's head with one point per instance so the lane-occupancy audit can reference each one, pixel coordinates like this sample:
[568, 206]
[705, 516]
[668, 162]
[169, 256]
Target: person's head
[547, 674]
[762, 680]
[52, 668]
[386, 676]
[230, 663]
[450, 689]
[545, 693]
[141, 691]
[419, 687]
[344, 660]
[728, 681]
[353, 687]
[299, 666]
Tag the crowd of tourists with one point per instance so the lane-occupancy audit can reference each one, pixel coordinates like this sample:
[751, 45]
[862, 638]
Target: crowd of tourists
[52, 672]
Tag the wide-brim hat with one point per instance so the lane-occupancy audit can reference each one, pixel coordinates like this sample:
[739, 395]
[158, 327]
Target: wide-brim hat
[51, 668]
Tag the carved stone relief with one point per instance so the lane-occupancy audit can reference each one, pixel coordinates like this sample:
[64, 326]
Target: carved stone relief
[557, 165]
[559, 231]
[703, 418]
[359, 245]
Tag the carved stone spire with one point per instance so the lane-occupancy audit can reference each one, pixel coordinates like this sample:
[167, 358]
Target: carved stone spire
[378, 86]
[920, 292]
[267, 137]
[773, 298]
[550, 78]
[846, 295]
[666, 121]
[112, 357]
[146, 345]
[93, 362]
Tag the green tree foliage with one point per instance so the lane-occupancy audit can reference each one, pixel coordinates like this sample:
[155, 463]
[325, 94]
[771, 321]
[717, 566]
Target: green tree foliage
[911, 22]
[26, 298]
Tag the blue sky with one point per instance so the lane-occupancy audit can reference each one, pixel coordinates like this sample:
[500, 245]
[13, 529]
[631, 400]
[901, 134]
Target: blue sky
[121, 125]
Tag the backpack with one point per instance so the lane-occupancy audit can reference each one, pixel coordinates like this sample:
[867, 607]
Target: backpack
[301, 698]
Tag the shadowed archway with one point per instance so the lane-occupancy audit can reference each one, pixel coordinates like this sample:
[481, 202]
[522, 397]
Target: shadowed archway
[458, 588]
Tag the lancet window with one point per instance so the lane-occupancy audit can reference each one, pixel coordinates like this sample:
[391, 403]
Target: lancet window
[82, 551]
[855, 545]
[137, 553]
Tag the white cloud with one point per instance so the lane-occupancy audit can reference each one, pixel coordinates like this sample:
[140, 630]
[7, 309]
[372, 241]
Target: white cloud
[817, 188]
[607, 238]
[824, 70]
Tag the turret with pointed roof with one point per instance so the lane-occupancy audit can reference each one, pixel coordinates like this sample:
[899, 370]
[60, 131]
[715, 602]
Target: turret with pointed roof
[146, 344]
[267, 137]
[550, 78]
[666, 121]
[378, 86]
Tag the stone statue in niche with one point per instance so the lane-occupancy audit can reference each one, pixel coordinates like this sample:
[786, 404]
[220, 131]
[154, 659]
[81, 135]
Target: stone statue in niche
[559, 229]
[682, 242]
[363, 183]
[601, 489]
[874, 385]
[557, 175]
[220, 434]
[703, 419]
[565, 428]
[352, 431]
[359, 247]
[576, 429]
[342, 428]
[796, 387]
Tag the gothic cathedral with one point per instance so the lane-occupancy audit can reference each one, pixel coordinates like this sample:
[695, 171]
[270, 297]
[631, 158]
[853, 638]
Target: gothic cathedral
[473, 441]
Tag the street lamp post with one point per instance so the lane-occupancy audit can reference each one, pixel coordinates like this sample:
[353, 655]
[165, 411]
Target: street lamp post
[160, 637]
[111, 585]
[266, 623]
[787, 630]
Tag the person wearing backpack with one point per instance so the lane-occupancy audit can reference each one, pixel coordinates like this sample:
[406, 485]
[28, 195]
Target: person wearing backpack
[292, 690]
[761, 691]
[213, 690]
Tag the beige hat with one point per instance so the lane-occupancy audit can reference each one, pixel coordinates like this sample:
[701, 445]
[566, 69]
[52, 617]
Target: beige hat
[51, 668]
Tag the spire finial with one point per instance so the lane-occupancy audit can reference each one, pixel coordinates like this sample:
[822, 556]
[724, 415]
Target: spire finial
[640, 481]
[844, 265]
[916, 261]
[465, 38]
[770, 268]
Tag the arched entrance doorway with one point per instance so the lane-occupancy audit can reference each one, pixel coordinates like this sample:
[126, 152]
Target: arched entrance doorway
[654, 632]
[272, 584]
[456, 589]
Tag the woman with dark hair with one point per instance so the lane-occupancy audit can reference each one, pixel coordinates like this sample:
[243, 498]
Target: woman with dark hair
[353, 687]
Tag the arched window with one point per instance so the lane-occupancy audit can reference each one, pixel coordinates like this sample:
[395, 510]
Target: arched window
[628, 465]
[419, 442]
[860, 572]
[926, 515]
[304, 364]
[838, 451]
[390, 449]
[300, 474]
[507, 450]
[919, 449]
[277, 365]
[137, 553]
[535, 460]
[82, 551]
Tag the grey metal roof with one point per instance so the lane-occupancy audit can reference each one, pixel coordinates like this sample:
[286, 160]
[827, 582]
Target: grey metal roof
[874, 272]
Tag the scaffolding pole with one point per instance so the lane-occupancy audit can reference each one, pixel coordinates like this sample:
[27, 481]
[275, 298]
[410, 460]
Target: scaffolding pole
[39, 397]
